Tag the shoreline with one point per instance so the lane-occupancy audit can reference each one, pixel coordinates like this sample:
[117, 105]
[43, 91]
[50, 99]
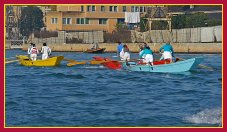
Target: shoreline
[190, 48]
[133, 52]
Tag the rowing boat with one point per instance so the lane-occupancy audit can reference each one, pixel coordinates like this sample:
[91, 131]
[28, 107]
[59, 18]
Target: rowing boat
[99, 60]
[112, 64]
[179, 66]
[53, 61]
[22, 57]
[99, 50]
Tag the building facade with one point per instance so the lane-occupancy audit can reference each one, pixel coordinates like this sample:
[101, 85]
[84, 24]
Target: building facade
[88, 17]
[12, 15]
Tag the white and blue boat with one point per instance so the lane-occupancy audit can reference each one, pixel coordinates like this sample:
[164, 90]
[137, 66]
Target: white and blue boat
[179, 66]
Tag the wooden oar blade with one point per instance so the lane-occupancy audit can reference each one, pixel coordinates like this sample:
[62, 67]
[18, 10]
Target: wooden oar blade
[206, 67]
[76, 63]
[70, 64]
[200, 65]
[69, 60]
[7, 62]
[97, 62]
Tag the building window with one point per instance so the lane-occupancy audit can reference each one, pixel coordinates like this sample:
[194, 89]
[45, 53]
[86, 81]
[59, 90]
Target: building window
[102, 21]
[120, 20]
[88, 8]
[67, 20]
[124, 9]
[102, 8]
[134, 9]
[54, 20]
[137, 9]
[82, 8]
[111, 8]
[82, 21]
[142, 9]
[93, 8]
[115, 9]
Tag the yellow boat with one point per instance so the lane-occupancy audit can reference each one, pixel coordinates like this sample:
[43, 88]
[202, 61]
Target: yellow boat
[53, 61]
[22, 57]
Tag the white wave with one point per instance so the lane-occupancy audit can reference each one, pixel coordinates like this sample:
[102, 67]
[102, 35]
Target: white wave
[94, 67]
[207, 116]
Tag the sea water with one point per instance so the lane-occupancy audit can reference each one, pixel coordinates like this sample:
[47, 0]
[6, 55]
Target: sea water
[92, 95]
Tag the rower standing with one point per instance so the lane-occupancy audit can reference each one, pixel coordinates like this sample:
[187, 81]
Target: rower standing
[94, 46]
[33, 52]
[168, 53]
[147, 54]
[46, 51]
[119, 48]
[125, 53]
[29, 48]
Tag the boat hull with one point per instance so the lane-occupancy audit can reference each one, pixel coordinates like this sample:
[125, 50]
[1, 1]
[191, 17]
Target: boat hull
[99, 50]
[22, 57]
[53, 61]
[112, 65]
[180, 66]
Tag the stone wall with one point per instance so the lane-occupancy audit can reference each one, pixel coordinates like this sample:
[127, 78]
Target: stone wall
[134, 47]
[85, 37]
[187, 35]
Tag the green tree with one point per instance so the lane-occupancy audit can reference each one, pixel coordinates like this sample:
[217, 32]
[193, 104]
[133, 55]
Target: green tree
[199, 19]
[143, 25]
[196, 20]
[213, 22]
[120, 27]
[31, 20]
[159, 25]
[178, 22]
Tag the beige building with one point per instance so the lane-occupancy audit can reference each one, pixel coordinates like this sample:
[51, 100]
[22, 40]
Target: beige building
[88, 17]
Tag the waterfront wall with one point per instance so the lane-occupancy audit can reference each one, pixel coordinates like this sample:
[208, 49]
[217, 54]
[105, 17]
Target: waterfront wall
[186, 35]
[134, 47]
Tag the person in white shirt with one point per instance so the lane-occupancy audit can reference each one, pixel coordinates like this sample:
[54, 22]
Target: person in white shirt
[46, 51]
[29, 48]
[125, 53]
[33, 52]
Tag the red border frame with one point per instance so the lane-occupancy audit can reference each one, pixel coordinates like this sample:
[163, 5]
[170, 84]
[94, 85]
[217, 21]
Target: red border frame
[2, 49]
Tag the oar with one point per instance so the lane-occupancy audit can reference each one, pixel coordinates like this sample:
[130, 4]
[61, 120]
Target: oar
[7, 62]
[114, 56]
[76, 63]
[206, 67]
[9, 58]
[200, 65]
[69, 60]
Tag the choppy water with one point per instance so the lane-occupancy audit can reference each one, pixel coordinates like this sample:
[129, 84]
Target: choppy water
[92, 95]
